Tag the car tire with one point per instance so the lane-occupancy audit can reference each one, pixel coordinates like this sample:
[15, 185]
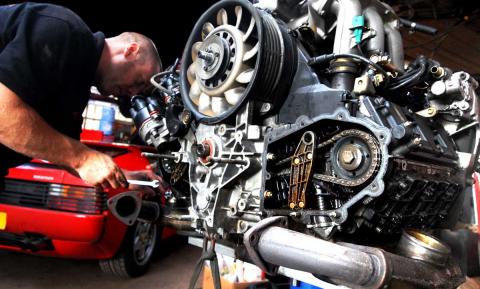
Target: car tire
[135, 254]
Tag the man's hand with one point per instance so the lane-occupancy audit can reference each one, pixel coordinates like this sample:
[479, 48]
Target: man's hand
[100, 170]
[23, 130]
[146, 175]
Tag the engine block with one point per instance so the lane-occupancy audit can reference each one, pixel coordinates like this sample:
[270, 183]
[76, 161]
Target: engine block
[303, 115]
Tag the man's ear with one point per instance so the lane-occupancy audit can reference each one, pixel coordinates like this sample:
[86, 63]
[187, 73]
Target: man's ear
[131, 50]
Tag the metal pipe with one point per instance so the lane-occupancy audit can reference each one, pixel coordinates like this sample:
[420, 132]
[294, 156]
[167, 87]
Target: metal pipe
[347, 10]
[299, 251]
[128, 207]
[375, 44]
[348, 264]
[395, 45]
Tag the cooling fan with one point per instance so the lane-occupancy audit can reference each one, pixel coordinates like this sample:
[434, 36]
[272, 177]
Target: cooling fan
[235, 52]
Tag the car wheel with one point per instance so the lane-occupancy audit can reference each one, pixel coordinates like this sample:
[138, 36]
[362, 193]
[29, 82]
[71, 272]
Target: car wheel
[135, 254]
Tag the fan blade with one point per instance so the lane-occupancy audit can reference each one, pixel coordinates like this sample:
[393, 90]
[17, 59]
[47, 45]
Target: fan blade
[195, 49]
[249, 29]
[204, 104]
[234, 95]
[191, 73]
[238, 13]
[222, 17]
[207, 28]
[251, 53]
[219, 105]
[245, 76]
[195, 92]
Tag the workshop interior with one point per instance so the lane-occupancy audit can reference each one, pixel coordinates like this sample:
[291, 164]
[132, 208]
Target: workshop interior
[305, 144]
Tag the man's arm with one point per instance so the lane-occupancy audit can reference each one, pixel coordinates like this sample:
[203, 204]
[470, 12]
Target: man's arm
[23, 130]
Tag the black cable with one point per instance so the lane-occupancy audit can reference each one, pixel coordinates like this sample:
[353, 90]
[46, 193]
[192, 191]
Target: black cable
[408, 81]
[446, 32]
[328, 57]
[413, 76]
[360, 50]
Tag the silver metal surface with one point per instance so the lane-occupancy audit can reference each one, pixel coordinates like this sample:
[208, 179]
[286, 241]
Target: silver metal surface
[421, 246]
[298, 251]
[153, 184]
[395, 45]
[375, 22]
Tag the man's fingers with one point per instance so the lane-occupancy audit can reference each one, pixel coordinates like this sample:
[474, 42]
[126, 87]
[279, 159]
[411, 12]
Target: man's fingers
[115, 181]
[120, 178]
[104, 184]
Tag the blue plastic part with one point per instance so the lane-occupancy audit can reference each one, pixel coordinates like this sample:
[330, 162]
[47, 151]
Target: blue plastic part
[107, 120]
[303, 285]
[358, 25]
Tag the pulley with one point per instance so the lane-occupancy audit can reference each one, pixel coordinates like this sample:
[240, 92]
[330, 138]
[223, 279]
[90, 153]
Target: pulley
[235, 52]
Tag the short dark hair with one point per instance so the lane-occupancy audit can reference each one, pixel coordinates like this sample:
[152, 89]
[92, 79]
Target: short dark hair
[148, 52]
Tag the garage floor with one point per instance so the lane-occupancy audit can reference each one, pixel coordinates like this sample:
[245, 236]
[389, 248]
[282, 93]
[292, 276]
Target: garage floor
[170, 270]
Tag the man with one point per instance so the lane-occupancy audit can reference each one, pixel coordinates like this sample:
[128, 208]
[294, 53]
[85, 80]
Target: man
[49, 59]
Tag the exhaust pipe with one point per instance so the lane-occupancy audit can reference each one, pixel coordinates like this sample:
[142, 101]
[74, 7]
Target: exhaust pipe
[128, 207]
[342, 263]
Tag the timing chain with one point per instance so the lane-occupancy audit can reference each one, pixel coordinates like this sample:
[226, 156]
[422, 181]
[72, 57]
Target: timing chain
[374, 152]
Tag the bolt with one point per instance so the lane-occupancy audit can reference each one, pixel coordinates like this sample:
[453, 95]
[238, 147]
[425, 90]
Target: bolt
[267, 194]
[348, 156]
[222, 129]
[294, 214]
[202, 150]
[207, 56]
[309, 156]
[266, 107]
[296, 161]
[242, 225]
[186, 116]
[301, 205]
[292, 205]
[417, 141]
[271, 156]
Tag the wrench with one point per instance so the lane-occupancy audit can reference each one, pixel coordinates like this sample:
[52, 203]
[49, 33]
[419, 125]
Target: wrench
[154, 184]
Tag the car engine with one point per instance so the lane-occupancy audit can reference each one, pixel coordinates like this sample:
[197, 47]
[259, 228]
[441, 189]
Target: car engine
[295, 132]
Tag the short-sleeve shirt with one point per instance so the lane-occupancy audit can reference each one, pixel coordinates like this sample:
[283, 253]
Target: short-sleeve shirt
[48, 57]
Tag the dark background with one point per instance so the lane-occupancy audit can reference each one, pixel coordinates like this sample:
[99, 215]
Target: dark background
[168, 23]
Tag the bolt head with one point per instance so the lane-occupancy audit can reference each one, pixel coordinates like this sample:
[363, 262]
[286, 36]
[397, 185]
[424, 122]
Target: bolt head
[267, 194]
[348, 156]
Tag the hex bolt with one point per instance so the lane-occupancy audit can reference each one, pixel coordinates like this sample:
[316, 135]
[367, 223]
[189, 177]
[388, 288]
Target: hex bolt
[348, 156]
[207, 56]
[202, 150]
[186, 116]
[267, 194]
[271, 156]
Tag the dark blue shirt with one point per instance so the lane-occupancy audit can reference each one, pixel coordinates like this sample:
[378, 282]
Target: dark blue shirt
[48, 57]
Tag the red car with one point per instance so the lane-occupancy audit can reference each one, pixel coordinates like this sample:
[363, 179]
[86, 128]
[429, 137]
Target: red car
[44, 210]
